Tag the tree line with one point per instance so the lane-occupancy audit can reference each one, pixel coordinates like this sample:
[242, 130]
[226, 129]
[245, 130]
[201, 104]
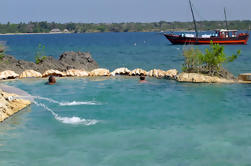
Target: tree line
[45, 27]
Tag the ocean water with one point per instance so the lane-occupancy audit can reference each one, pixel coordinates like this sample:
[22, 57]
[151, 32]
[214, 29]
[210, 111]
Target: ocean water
[119, 121]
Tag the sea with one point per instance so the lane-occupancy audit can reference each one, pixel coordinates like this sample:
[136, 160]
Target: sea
[119, 121]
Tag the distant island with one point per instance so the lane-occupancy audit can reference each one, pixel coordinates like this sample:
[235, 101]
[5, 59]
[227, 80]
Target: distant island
[52, 27]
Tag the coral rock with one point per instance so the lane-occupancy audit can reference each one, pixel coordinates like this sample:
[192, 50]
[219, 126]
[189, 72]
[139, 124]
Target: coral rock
[53, 73]
[138, 72]
[77, 73]
[120, 71]
[30, 74]
[157, 73]
[8, 74]
[99, 72]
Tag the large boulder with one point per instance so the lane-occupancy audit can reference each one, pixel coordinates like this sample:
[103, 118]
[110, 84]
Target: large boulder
[52, 72]
[100, 72]
[200, 78]
[138, 72]
[120, 71]
[30, 74]
[76, 73]
[78, 60]
[8, 74]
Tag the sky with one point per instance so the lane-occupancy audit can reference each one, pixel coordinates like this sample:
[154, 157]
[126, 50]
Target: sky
[111, 11]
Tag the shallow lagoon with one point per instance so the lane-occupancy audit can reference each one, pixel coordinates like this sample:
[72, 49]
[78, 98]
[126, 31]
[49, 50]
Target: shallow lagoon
[159, 123]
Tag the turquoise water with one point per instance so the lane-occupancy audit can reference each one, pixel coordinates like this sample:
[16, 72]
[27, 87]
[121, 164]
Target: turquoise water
[113, 50]
[118, 121]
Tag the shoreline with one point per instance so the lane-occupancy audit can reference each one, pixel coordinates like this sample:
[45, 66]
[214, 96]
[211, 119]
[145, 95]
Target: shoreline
[46, 33]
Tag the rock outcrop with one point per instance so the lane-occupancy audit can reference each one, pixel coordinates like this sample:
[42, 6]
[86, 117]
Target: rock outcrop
[138, 72]
[200, 78]
[68, 60]
[10, 105]
[76, 73]
[8, 74]
[120, 71]
[53, 73]
[99, 72]
[30, 74]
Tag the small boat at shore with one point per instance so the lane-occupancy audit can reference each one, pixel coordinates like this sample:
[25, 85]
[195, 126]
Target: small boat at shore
[222, 36]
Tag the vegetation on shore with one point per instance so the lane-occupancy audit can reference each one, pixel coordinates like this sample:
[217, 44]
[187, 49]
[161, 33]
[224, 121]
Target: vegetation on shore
[210, 63]
[45, 27]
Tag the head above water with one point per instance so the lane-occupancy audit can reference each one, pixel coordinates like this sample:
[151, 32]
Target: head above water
[52, 80]
[142, 78]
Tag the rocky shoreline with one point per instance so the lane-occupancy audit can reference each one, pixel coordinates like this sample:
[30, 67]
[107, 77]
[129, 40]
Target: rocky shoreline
[66, 61]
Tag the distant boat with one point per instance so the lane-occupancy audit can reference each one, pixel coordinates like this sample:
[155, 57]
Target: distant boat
[221, 36]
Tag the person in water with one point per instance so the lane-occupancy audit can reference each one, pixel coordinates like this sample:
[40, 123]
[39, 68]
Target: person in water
[51, 80]
[142, 79]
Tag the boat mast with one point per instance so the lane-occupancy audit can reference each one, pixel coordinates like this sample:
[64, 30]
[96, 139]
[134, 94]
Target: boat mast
[194, 21]
[226, 18]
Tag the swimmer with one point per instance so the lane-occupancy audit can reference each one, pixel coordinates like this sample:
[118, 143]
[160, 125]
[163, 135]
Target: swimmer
[142, 79]
[51, 80]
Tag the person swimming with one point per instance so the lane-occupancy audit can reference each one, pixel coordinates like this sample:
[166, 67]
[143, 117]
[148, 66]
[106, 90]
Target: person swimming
[142, 79]
[51, 80]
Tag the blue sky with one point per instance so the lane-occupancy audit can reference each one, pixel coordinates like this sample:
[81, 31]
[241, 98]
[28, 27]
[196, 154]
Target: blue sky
[108, 11]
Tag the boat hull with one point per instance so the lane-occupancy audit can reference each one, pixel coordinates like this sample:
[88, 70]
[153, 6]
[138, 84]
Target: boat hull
[177, 39]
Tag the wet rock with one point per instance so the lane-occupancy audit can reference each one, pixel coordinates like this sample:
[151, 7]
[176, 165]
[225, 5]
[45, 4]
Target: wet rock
[52, 72]
[30, 74]
[99, 72]
[120, 71]
[76, 73]
[8, 74]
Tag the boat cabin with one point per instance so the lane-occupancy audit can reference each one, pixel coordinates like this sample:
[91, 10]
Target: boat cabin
[224, 33]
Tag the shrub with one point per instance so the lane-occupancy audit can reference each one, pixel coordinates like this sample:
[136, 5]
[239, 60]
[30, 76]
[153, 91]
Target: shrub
[40, 54]
[211, 62]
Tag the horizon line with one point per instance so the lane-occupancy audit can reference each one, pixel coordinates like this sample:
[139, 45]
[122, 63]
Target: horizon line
[27, 22]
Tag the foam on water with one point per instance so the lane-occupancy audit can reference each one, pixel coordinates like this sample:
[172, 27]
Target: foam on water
[67, 103]
[68, 120]
[77, 103]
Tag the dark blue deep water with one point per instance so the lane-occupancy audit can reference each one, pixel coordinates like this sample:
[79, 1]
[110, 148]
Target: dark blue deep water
[118, 121]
